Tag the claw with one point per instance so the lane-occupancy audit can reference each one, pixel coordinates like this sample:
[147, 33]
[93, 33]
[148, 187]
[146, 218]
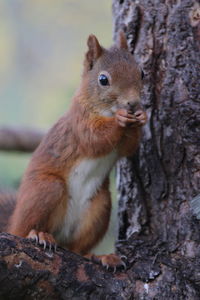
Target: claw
[124, 257]
[123, 264]
[114, 269]
[43, 243]
[35, 239]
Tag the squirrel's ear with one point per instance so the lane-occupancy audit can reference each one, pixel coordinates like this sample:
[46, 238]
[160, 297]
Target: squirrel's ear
[122, 42]
[94, 51]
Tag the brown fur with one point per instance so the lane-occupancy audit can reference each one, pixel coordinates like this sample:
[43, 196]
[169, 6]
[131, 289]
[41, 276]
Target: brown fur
[83, 132]
[7, 205]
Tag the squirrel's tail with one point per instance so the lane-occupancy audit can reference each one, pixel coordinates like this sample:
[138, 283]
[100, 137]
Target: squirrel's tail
[7, 205]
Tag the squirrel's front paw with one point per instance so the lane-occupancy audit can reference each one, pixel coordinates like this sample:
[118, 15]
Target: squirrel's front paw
[127, 119]
[141, 117]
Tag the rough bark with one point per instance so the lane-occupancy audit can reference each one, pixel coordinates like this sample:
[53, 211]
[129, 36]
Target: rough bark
[157, 185]
[19, 139]
[29, 272]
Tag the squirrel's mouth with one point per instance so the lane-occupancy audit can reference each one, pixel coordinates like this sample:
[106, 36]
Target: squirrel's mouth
[113, 109]
[109, 112]
[132, 107]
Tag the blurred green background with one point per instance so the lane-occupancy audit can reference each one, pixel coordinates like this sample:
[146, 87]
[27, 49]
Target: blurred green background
[42, 45]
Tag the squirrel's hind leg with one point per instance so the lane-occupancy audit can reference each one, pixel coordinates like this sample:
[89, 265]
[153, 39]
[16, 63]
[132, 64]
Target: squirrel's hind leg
[94, 222]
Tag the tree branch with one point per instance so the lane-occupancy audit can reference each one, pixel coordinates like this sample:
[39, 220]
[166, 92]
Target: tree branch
[29, 272]
[19, 139]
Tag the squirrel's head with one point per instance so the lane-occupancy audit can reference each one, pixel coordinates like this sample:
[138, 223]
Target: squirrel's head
[111, 78]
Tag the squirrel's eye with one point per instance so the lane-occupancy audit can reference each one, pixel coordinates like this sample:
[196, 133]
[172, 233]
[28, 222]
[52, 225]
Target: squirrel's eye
[103, 79]
[142, 75]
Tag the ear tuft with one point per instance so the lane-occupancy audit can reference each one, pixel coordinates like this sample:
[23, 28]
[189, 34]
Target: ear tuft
[122, 41]
[94, 50]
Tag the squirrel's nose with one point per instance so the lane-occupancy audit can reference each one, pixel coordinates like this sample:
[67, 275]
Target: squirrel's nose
[132, 106]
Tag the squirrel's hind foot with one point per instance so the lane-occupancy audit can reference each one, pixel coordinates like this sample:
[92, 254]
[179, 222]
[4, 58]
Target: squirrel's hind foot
[43, 239]
[111, 261]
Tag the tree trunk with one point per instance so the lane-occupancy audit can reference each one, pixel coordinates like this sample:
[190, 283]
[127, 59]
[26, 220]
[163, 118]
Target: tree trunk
[157, 185]
[157, 229]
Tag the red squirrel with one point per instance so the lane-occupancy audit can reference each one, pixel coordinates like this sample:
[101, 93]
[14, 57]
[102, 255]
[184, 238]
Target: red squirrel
[64, 196]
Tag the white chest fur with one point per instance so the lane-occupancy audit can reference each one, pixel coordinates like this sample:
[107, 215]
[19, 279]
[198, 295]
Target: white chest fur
[84, 181]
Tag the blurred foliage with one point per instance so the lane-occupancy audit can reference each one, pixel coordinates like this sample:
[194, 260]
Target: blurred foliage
[42, 45]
